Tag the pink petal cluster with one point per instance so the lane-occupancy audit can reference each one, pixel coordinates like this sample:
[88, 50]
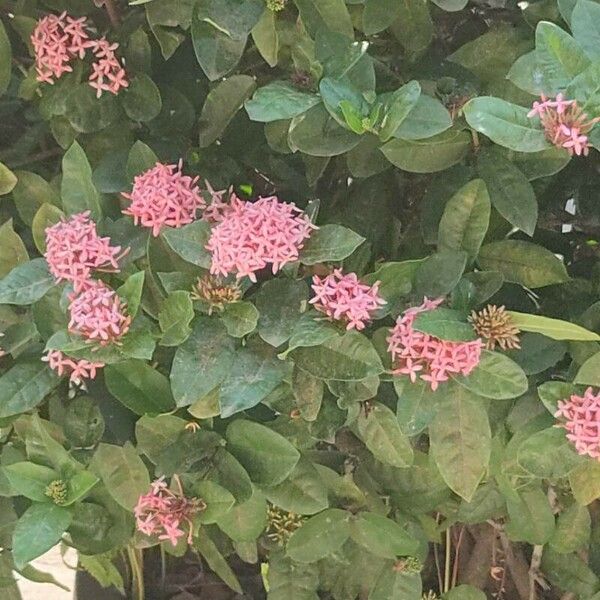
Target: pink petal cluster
[74, 249]
[108, 73]
[252, 235]
[2, 352]
[56, 41]
[162, 512]
[164, 196]
[581, 416]
[419, 354]
[98, 314]
[565, 124]
[76, 369]
[343, 297]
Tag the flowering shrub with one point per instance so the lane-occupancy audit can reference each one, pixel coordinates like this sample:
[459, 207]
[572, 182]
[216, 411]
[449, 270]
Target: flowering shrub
[306, 291]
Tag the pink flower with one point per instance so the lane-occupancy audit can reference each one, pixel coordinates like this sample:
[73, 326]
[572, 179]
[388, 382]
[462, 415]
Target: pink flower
[252, 235]
[582, 422]
[219, 205]
[98, 314]
[164, 196]
[76, 369]
[108, 73]
[565, 124]
[344, 297]
[74, 249]
[56, 41]
[161, 512]
[418, 354]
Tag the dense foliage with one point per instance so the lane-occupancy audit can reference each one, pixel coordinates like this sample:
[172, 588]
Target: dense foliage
[253, 256]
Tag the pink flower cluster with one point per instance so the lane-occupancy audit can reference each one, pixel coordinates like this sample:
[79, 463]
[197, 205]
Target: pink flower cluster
[252, 235]
[57, 40]
[98, 314]
[161, 512]
[419, 354]
[164, 196]
[215, 211]
[74, 249]
[565, 124]
[343, 297]
[76, 369]
[582, 422]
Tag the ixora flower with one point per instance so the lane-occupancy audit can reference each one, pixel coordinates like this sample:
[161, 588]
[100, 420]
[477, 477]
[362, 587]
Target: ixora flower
[162, 512]
[77, 369]
[56, 41]
[581, 419]
[343, 297]
[108, 73]
[565, 123]
[252, 235]
[98, 314]
[418, 354]
[74, 249]
[164, 197]
[495, 326]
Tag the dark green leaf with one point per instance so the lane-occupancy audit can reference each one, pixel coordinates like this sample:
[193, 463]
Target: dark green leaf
[399, 106]
[246, 521]
[141, 100]
[382, 536]
[547, 454]
[30, 480]
[240, 318]
[174, 318]
[26, 283]
[279, 100]
[215, 560]
[446, 324]
[439, 273]
[77, 188]
[428, 118]
[585, 27]
[189, 242]
[30, 193]
[329, 243]
[325, 15]
[5, 60]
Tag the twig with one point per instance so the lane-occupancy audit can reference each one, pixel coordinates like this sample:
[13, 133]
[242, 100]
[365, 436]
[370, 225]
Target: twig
[457, 556]
[536, 560]
[447, 563]
[437, 559]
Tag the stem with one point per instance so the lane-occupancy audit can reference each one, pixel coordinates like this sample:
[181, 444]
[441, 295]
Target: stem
[113, 13]
[536, 559]
[475, 138]
[447, 564]
[137, 571]
[178, 483]
[163, 569]
[457, 556]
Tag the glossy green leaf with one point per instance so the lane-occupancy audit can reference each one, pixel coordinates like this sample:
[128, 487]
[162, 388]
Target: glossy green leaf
[382, 536]
[240, 318]
[379, 15]
[246, 521]
[329, 243]
[30, 480]
[446, 324]
[279, 100]
[556, 329]
[414, 27]
[428, 118]
[216, 561]
[77, 189]
[141, 100]
[585, 27]
[325, 14]
[547, 454]
[26, 283]
[189, 242]
[174, 318]
[573, 529]
[399, 106]
[5, 60]
[266, 37]
[30, 194]
[439, 273]
[141, 158]
[394, 584]
[8, 180]
[12, 249]
[589, 372]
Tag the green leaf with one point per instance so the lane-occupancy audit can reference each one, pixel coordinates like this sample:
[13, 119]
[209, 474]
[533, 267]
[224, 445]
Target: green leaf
[309, 332]
[85, 112]
[246, 521]
[552, 328]
[381, 433]
[558, 55]
[382, 536]
[174, 318]
[202, 362]
[465, 220]
[510, 192]
[538, 353]
[83, 422]
[221, 105]
[5, 60]
[280, 303]
[394, 584]
[413, 28]
[215, 560]
[26, 283]
[505, 124]
[254, 374]
[230, 474]
[77, 189]
[30, 480]
[30, 193]
[235, 19]
[266, 37]
[316, 133]
[30, 573]
[416, 405]
[218, 500]
[240, 318]
[40, 527]
[439, 273]
[401, 102]
[288, 579]
[122, 472]
[379, 15]
[131, 292]
[496, 376]
[325, 15]
[585, 27]
[589, 372]
[585, 482]
[320, 536]
[279, 100]
[24, 386]
[154, 434]
[302, 492]
[430, 154]
[12, 249]
[330, 243]
[189, 242]
[141, 158]
[446, 324]
[573, 530]
[460, 440]
[8, 180]
[267, 456]
[45, 217]
[535, 165]
[465, 592]
[139, 387]
[570, 573]
[428, 118]
[79, 486]
[101, 568]
[350, 357]
[547, 454]
[141, 100]
[522, 262]
[528, 75]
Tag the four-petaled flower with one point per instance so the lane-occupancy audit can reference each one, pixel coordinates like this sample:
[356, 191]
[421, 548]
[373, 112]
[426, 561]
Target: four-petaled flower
[580, 417]
[78, 369]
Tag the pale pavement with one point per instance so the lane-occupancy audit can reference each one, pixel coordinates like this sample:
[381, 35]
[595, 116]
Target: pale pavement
[52, 563]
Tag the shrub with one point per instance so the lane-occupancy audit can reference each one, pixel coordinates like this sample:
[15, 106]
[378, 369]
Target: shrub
[305, 285]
